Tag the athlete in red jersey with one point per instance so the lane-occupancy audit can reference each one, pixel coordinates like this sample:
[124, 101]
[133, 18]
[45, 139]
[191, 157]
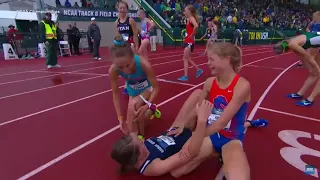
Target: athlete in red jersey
[226, 95]
[189, 41]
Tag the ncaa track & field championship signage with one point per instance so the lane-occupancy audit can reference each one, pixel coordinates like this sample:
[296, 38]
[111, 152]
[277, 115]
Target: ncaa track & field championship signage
[88, 13]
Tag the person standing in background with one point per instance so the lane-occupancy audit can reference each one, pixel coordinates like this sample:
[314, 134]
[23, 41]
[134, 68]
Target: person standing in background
[70, 38]
[48, 36]
[153, 39]
[15, 38]
[95, 37]
[60, 38]
[76, 40]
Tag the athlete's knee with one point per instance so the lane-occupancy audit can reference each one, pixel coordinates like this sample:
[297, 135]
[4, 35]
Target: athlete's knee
[196, 93]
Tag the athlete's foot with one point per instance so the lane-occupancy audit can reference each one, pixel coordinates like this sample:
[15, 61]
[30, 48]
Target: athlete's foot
[183, 78]
[199, 72]
[294, 96]
[304, 102]
[258, 123]
[125, 91]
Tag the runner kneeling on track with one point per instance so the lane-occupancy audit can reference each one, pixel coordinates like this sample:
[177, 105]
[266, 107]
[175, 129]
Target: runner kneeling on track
[299, 45]
[141, 83]
[186, 120]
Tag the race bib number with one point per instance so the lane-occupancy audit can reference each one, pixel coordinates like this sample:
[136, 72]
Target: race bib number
[139, 85]
[167, 139]
[125, 37]
[213, 117]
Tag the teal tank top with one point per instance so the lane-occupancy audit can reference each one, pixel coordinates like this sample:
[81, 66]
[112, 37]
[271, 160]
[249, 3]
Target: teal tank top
[138, 82]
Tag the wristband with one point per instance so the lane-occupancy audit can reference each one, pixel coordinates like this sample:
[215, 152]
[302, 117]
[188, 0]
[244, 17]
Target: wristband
[120, 118]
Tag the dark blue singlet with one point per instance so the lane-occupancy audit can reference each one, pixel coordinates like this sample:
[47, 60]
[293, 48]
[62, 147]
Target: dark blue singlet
[164, 146]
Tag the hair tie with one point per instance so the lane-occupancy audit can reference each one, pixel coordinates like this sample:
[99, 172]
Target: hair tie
[118, 43]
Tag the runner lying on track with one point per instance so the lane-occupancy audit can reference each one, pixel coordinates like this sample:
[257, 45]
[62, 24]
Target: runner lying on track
[140, 80]
[299, 45]
[160, 154]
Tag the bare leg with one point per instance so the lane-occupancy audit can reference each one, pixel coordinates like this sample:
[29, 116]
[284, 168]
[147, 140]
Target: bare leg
[315, 92]
[187, 114]
[236, 166]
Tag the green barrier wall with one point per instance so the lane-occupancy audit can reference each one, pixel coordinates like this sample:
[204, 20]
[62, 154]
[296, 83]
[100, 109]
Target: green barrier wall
[255, 36]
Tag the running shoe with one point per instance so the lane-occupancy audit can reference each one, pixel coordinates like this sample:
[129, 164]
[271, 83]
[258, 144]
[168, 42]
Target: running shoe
[199, 72]
[304, 102]
[258, 123]
[183, 78]
[294, 96]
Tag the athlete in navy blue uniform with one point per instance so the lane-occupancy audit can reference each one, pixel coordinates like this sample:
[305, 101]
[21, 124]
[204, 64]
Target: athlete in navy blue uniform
[159, 155]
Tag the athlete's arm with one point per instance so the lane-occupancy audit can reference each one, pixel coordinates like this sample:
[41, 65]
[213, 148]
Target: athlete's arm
[135, 32]
[113, 76]
[305, 55]
[308, 27]
[160, 167]
[151, 24]
[195, 27]
[116, 26]
[206, 90]
[146, 67]
[215, 27]
[241, 94]
[205, 34]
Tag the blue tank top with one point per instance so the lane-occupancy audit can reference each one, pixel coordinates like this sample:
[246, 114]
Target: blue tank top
[315, 27]
[164, 146]
[137, 82]
[144, 29]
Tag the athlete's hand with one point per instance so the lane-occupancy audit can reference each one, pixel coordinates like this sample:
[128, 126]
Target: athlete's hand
[184, 152]
[124, 127]
[204, 110]
[140, 113]
[176, 132]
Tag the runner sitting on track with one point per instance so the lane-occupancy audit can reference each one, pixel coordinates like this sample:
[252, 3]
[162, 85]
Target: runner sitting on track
[160, 157]
[211, 34]
[189, 41]
[146, 26]
[140, 80]
[127, 28]
[299, 46]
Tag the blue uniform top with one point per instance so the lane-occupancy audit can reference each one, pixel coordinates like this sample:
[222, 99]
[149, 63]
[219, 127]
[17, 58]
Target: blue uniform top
[315, 27]
[164, 146]
[138, 82]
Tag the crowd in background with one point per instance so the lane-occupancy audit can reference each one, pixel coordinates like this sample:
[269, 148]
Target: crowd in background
[238, 13]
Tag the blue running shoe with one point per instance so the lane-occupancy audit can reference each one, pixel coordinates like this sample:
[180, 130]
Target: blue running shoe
[258, 123]
[199, 72]
[183, 78]
[294, 96]
[125, 91]
[305, 102]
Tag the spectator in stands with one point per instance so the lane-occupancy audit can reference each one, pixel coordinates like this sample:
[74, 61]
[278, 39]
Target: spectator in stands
[95, 38]
[15, 38]
[67, 4]
[83, 3]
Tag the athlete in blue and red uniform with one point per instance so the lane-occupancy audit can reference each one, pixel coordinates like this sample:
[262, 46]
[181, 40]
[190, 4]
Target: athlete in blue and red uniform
[127, 28]
[225, 127]
[189, 41]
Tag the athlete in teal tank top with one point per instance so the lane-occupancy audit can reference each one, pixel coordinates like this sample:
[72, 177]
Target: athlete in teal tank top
[306, 46]
[137, 82]
[141, 83]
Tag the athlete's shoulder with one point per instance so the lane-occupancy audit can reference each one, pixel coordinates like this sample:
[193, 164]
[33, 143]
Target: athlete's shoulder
[112, 70]
[208, 83]
[243, 84]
